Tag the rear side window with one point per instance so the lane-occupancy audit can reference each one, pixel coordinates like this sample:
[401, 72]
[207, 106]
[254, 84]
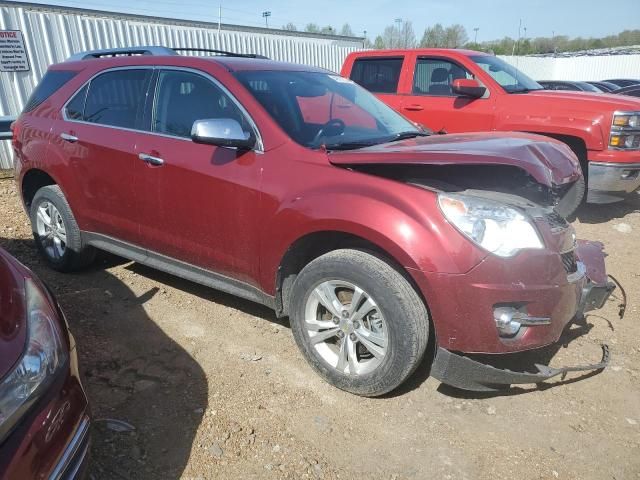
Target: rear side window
[117, 98]
[378, 75]
[52, 81]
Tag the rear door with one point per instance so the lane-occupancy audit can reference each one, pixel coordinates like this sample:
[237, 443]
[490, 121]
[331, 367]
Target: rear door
[431, 101]
[97, 137]
[199, 202]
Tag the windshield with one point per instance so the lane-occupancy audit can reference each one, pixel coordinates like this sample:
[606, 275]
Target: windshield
[510, 78]
[317, 109]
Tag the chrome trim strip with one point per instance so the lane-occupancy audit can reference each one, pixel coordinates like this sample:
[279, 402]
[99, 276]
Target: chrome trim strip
[69, 456]
[63, 112]
[626, 166]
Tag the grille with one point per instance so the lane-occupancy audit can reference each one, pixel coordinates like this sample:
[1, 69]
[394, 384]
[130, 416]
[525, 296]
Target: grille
[555, 220]
[569, 261]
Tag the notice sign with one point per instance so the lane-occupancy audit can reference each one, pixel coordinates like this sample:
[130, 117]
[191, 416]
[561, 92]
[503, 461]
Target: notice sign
[13, 54]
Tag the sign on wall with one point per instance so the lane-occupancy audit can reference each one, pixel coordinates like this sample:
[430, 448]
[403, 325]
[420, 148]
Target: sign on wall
[13, 54]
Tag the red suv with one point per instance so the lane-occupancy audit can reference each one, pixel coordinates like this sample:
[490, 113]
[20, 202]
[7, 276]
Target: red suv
[294, 187]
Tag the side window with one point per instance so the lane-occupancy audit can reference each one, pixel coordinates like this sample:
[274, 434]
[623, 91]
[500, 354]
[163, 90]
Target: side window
[75, 107]
[434, 76]
[117, 98]
[184, 97]
[52, 81]
[378, 75]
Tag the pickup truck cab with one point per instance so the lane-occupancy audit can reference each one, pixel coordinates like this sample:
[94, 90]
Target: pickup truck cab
[457, 91]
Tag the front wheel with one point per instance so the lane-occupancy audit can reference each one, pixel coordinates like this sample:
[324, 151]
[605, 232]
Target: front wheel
[359, 322]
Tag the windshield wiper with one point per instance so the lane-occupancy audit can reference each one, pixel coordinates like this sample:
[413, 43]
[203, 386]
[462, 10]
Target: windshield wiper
[525, 90]
[406, 135]
[351, 145]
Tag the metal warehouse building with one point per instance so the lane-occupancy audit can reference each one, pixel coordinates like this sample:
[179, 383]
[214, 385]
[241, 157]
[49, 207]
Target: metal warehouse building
[52, 34]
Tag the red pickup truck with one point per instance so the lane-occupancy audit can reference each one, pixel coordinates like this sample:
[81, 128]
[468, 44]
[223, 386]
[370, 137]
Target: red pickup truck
[466, 91]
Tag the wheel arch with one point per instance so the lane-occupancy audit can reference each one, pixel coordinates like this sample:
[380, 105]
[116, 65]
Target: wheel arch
[32, 181]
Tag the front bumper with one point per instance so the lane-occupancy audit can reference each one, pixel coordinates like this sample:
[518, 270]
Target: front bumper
[609, 182]
[460, 371]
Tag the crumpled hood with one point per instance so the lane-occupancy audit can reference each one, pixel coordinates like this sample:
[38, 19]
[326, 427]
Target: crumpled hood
[548, 161]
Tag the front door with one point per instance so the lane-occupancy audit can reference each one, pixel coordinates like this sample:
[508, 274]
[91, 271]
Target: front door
[433, 103]
[199, 202]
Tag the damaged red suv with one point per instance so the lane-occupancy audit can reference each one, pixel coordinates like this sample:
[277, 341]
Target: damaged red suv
[44, 420]
[291, 186]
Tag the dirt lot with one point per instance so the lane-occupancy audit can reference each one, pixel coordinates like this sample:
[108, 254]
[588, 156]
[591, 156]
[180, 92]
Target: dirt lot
[215, 387]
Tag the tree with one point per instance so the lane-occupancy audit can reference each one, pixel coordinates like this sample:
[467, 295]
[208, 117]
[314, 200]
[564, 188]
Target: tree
[290, 27]
[312, 28]
[433, 37]
[346, 30]
[401, 36]
[455, 36]
[328, 30]
[378, 43]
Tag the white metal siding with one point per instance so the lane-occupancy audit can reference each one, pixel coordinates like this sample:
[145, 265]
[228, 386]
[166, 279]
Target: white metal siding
[53, 34]
[578, 68]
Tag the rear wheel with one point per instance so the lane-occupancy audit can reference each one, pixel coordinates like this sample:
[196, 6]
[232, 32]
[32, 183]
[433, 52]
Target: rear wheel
[359, 322]
[56, 231]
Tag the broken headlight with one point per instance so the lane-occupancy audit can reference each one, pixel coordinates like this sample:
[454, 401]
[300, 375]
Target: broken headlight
[498, 228]
[44, 355]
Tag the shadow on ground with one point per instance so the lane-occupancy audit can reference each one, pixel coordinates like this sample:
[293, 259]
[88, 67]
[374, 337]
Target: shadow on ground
[601, 213]
[133, 372]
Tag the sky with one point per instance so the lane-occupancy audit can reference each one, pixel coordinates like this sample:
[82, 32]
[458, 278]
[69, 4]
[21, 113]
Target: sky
[493, 18]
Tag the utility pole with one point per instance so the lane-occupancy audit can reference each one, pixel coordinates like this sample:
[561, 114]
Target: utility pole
[219, 22]
[475, 37]
[266, 16]
[399, 22]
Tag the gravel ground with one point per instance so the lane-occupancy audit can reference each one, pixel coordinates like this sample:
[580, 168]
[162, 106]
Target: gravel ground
[214, 387]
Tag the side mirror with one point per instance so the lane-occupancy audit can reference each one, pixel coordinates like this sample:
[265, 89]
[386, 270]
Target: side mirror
[468, 87]
[223, 132]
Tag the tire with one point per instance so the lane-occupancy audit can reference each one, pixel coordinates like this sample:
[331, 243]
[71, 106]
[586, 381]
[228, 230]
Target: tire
[56, 231]
[384, 347]
[569, 204]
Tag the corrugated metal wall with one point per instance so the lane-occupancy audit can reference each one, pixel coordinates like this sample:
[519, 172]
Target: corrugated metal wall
[53, 34]
[578, 68]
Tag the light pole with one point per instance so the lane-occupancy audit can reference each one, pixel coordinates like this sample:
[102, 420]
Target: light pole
[475, 37]
[266, 16]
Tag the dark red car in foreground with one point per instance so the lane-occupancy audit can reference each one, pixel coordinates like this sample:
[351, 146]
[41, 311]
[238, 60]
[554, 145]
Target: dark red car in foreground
[294, 187]
[44, 416]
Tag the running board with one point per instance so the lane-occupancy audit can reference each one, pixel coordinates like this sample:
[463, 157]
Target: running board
[178, 268]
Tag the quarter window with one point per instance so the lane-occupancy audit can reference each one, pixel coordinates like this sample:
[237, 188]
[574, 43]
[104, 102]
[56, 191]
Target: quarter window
[435, 76]
[117, 98]
[184, 97]
[52, 81]
[378, 75]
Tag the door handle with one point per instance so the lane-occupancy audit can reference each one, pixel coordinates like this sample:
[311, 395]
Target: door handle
[68, 137]
[150, 159]
[414, 108]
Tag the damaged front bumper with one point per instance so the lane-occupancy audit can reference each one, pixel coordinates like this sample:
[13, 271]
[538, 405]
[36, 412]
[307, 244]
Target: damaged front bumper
[460, 371]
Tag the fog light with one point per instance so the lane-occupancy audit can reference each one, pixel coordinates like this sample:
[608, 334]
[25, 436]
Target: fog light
[509, 320]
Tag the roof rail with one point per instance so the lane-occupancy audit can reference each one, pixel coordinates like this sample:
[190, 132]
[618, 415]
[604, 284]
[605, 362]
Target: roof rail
[220, 52]
[129, 51]
[153, 50]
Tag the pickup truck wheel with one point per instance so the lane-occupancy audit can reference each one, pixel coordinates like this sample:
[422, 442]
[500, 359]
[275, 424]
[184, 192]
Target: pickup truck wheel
[56, 231]
[358, 321]
[569, 204]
